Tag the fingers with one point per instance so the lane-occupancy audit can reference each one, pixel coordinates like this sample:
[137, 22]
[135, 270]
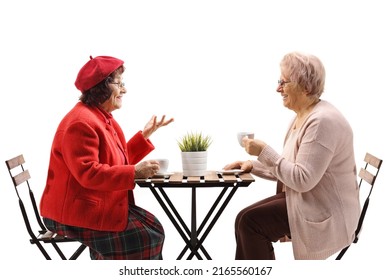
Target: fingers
[234, 165]
[228, 167]
[247, 166]
[153, 125]
[169, 121]
[162, 122]
[250, 146]
[156, 124]
[153, 120]
[146, 169]
[154, 166]
[254, 146]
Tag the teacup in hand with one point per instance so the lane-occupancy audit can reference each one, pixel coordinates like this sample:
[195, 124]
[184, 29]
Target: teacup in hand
[242, 135]
[163, 165]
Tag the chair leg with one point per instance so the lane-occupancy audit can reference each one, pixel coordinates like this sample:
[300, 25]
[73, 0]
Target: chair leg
[75, 255]
[78, 252]
[58, 250]
[342, 252]
[43, 250]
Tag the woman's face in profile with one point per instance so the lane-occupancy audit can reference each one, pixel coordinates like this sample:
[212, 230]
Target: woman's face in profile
[115, 101]
[292, 93]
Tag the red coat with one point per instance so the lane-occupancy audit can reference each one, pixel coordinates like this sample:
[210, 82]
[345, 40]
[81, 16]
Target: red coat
[91, 171]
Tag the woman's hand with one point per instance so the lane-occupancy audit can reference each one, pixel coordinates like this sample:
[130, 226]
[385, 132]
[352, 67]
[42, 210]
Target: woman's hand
[245, 166]
[146, 169]
[253, 146]
[153, 125]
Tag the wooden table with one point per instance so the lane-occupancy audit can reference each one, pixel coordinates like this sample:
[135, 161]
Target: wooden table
[193, 237]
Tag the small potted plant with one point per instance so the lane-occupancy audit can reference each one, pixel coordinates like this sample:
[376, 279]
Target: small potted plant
[193, 146]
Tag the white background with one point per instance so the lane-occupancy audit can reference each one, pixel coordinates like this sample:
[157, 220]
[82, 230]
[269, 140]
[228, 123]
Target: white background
[213, 66]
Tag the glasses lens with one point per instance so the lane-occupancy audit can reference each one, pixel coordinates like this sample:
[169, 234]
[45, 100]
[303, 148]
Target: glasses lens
[118, 84]
[282, 83]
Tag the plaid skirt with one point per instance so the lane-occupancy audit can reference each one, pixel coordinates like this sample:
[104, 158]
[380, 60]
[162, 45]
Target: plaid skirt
[142, 239]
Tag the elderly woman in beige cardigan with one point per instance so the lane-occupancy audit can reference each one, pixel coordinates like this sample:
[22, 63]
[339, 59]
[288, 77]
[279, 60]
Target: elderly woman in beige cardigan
[317, 202]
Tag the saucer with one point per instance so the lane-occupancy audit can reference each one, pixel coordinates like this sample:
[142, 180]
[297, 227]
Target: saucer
[163, 174]
[230, 171]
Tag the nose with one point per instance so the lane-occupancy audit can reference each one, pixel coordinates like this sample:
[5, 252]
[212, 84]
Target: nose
[123, 90]
[279, 88]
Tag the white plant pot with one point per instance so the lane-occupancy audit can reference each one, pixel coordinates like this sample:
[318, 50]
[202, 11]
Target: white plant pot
[194, 163]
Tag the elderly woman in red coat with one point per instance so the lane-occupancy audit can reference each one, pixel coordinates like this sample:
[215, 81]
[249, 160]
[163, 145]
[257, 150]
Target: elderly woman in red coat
[89, 190]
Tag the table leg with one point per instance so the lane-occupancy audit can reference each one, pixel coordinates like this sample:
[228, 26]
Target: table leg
[172, 218]
[183, 224]
[212, 209]
[193, 243]
[216, 217]
[205, 220]
[194, 236]
[172, 213]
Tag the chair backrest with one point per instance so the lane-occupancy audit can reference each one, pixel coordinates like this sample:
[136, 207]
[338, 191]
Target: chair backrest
[368, 175]
[20, 178]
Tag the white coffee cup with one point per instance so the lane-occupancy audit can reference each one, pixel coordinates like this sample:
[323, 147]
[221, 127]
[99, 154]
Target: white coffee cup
[242, 135]
[163, 162]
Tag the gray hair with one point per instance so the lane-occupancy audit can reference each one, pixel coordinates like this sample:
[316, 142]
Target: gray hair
[306, 70]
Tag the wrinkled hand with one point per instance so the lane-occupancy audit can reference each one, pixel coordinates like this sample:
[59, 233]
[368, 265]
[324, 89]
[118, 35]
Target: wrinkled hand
[245, 166]
[253, 146]
[153, 125]
[146, 169]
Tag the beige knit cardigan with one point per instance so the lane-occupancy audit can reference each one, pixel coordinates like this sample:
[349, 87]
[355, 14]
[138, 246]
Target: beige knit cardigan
[320, 182]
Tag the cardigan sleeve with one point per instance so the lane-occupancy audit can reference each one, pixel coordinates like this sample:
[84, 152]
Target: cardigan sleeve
[303, 174]
[313, 151]
[262, 171]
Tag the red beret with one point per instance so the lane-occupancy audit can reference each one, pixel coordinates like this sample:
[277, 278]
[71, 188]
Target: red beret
[96, 70]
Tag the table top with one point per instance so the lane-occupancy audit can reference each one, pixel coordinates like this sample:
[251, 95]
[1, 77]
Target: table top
[211, 179]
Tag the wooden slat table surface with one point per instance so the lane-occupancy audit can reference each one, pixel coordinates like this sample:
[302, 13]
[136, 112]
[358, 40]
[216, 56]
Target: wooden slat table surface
[211, 179]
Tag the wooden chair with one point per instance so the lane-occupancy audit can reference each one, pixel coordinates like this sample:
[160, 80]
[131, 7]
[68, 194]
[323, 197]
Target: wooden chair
[20, 179]
[367, 176]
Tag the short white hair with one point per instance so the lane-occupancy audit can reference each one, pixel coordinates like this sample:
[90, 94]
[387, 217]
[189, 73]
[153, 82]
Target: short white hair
[306, 70]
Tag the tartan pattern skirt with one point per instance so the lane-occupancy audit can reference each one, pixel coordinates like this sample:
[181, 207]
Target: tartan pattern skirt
[142, 239]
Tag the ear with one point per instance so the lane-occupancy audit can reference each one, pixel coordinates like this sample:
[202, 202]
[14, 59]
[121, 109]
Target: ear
[306, 92]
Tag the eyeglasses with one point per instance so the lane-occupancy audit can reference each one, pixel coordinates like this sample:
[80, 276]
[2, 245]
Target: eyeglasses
[119, 84]
[283, 82]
